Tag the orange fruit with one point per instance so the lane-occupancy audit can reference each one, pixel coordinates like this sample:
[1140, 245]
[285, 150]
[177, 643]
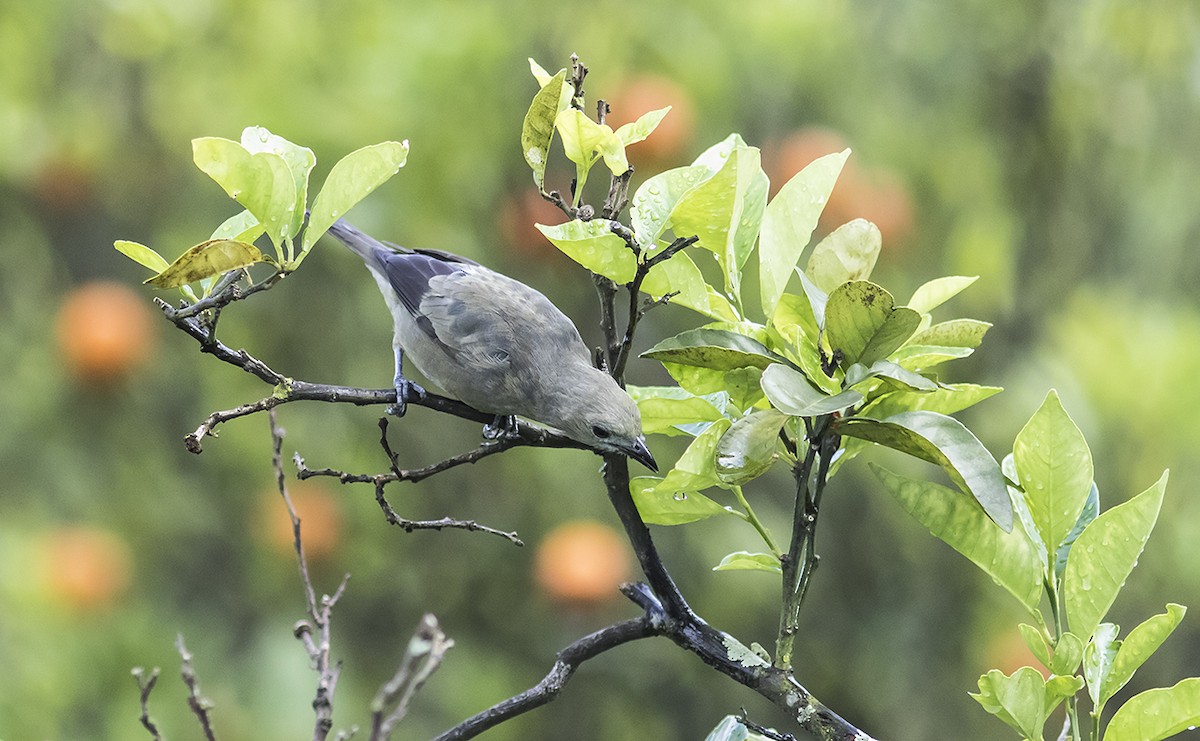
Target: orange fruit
[105, 330]
[320, 519]
[85, 568]
[670, 140]
[582, 563]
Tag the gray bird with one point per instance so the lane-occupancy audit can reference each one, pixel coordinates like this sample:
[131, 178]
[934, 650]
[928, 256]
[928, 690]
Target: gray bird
[497, 345]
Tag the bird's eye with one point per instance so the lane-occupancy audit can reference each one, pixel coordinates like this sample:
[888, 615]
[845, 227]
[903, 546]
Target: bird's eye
[600, 432]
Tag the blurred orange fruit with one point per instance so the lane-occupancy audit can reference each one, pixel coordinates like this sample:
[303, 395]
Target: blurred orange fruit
[880, 196]
[518, 214]
[1008, 652]
[670, 140]
[85, 568]
[105, 330]
[582, 563]
[320, 519]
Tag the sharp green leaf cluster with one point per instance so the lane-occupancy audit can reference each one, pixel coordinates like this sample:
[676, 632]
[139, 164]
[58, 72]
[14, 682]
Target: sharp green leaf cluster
[826, 364]
[1064, 561]
[269, 177]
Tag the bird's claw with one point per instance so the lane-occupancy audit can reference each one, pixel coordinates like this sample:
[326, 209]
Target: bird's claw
[404, 389]
[502, 426]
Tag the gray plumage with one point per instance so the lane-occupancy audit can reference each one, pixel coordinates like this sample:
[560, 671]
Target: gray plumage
[497, 345]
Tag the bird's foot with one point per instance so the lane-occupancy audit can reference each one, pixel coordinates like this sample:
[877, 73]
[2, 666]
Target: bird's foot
[502, 426]
[404, 389]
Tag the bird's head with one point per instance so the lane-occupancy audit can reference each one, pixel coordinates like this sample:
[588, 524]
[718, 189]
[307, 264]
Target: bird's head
[598, 413]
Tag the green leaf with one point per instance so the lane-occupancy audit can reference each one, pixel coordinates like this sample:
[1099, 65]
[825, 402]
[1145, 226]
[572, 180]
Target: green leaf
[1091, 508]
[537, 131]
[947, 399]
[1157, 714]
[954, 333]
[680, 274]
[351, 180]
[1104, 556]
[142, 255]
[791, 393]
[539, 72]
[593, 245]
[261, 182]
[861, 321]
[654, 202]
[1141, 642]
[744, 386]
[788, 224]
[241, 227]
[206, 260]
[1035, 641]
[1055, 470]
[725, 210]
[659, 506]
[747, 449]
[696, 468]
[938, 291]
[664, 408]
[1025, 699]
[1009, 558]
[921, 357]
[584, 140]
[945, 441]
[1067, 654]
[848, 253]
[1098, 658]
[636, 131]
[713, 348]
[300, 162]
[858, 373]
[746, 561]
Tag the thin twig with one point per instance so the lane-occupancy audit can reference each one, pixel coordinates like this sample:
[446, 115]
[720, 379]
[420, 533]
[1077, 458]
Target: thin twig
[443, 523]
[320, 614]
[761, 730]
[422, 657]
[199, 705]
[145, 687]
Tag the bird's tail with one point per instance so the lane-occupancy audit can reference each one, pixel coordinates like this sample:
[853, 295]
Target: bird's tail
[362, 244]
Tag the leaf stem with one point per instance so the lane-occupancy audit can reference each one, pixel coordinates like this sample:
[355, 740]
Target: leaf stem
[752, 518]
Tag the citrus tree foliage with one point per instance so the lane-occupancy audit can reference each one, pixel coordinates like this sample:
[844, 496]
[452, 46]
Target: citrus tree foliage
[806, 371]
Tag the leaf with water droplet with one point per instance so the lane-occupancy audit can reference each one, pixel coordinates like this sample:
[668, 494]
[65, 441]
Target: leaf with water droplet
[1009, 558]
[1141, 642]
[788, 223]
[537, 131]
[1157, 714]
[1094, 575]
[262, 182]
[300, 161]
[593, 245]
[944, 441]
[350, 180]
[747, 449]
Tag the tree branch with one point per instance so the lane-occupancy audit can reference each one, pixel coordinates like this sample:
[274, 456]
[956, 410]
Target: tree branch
[566, 662]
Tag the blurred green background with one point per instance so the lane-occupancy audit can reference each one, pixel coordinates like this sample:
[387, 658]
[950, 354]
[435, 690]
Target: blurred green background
[1051, 148]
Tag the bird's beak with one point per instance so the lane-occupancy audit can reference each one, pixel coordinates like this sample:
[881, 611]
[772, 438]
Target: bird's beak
[640, 453]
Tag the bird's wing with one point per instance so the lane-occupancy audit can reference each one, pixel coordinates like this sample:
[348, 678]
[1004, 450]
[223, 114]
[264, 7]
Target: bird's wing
[460, 305]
